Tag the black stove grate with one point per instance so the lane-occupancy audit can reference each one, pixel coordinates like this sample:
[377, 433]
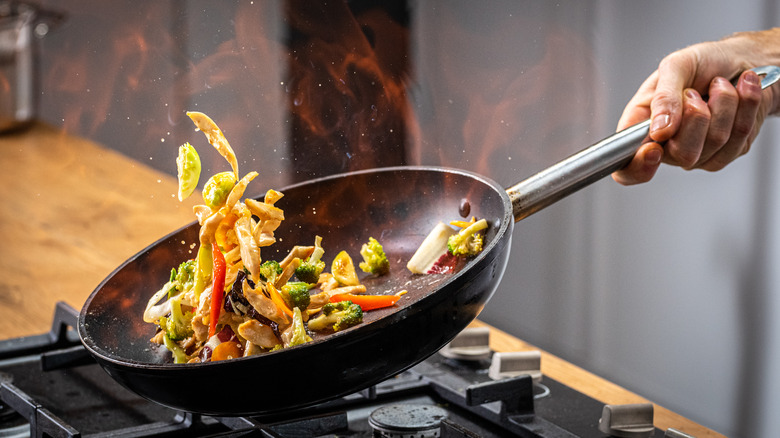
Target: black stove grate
[51, 387]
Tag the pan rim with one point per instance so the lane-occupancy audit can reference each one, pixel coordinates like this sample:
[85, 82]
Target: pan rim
[506, 222]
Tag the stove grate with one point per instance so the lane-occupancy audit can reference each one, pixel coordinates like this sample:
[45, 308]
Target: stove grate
[50, 387]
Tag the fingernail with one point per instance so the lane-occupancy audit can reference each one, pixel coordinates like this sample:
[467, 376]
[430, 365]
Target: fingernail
[752, 78]
[691, 94]
[653, 157]
[660, 121]
[721, 81]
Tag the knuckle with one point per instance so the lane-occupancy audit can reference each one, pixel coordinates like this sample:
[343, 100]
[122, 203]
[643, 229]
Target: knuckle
[717, 137]
[681, 60]
[697, 111]
[665, 99]
[685, 158]
[714, 164]
[699, 118]
[751, 100]
[724, 93]
[742, 129]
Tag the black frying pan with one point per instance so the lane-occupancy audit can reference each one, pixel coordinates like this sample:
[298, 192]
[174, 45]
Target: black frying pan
[398, 206]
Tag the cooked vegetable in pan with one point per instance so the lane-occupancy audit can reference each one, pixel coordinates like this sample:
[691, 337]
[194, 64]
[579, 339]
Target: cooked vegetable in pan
[229, 302]
[446, 249]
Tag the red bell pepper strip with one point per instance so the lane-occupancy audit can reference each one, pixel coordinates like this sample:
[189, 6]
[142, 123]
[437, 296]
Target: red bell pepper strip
[217, 288]
[367, 302]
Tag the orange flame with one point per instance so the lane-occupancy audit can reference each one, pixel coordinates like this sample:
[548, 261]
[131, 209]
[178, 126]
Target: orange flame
[308, 90]
[347, 90]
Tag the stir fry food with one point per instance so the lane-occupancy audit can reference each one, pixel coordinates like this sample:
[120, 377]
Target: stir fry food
[447, 247]
[228, 301]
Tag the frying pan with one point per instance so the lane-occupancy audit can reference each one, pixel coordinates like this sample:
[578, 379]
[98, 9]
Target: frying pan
[398, 206]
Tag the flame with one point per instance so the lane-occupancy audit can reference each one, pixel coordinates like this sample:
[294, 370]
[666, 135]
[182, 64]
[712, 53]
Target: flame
[502, 94]
[107, 78]
[305, 89]
[494, 120]
[347, 88]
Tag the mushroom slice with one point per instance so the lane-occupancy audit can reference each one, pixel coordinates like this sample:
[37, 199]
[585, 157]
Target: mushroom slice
[264, 305]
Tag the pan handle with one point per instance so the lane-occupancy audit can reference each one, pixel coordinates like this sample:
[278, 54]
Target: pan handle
[591, 164]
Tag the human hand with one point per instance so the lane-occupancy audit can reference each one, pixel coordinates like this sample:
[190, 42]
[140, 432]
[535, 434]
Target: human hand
[686, 130]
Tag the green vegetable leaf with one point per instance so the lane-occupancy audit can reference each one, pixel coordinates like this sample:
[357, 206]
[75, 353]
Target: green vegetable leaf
[188, 166]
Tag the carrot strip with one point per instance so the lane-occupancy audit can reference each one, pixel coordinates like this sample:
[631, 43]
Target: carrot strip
[277, 299]
[367, 302]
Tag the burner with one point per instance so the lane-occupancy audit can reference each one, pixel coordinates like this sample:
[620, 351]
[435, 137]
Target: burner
[12, 424]
[47, 390]
[407, 421]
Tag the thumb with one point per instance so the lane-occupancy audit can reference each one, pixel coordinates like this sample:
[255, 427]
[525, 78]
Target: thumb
[667, 102]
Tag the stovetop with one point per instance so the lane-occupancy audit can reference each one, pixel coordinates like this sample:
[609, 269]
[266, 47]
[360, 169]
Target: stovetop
[50, 387]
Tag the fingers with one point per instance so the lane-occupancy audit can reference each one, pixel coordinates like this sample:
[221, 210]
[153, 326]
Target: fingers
[742, 125]
[723, 103]
[686, 146]
[675, 73]
[709, 135]
[642, 167]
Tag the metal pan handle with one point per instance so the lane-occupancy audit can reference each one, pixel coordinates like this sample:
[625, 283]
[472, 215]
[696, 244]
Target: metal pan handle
[591, 164]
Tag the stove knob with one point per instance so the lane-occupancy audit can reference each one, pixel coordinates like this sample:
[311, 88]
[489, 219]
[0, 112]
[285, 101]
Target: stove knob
[472, 343]
[628, 421]
[516, 363]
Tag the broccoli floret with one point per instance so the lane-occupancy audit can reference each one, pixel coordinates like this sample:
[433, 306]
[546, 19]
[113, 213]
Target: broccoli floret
[270, 270]
[338, 316]
[468, 242]
[374, 258]
[182, 279]
[309, 271]
[178, 325]
[179, 356]
[296, 293]
[299, 335]
[186, 273]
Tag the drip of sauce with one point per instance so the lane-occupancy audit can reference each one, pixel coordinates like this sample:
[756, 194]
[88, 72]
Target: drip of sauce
[465, 208]
[444, 265]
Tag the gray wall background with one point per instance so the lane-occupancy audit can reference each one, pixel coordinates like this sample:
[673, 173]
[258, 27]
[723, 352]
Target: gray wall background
[669, 288]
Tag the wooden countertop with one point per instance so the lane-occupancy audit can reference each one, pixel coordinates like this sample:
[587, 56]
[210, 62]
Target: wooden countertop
[73, 210]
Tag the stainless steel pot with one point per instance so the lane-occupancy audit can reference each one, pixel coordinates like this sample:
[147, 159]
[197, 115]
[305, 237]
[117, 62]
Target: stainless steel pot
[20, 25]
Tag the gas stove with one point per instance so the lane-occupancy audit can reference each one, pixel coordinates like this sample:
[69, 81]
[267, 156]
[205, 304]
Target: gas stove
[50, 387]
